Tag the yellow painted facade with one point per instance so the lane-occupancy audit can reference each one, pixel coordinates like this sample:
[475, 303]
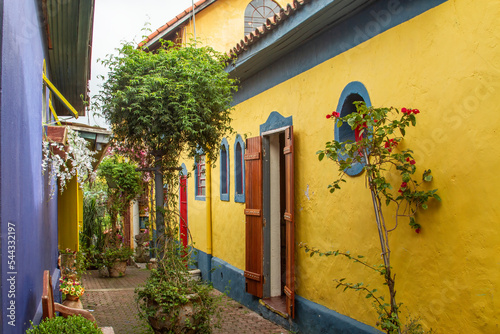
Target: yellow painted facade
[70, 215]
[444, 62]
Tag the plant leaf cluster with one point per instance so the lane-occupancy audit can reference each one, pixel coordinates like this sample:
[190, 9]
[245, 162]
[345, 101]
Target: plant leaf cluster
[172, 100]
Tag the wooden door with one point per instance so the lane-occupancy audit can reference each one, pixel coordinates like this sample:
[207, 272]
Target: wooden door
[183, 230]
[254, 270]
[290, 222]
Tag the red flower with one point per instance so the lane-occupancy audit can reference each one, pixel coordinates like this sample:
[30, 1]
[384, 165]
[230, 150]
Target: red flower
[416, 111]
[328, 116]
[404, 185]
[412, 162]
[417, 230]
[404, 110]
[335, 114]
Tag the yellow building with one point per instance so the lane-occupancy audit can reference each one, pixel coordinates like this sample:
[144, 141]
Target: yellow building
[436, 55]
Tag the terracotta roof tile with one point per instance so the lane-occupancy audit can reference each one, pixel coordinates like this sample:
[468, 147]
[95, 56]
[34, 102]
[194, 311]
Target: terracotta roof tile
[268, 27]
[170, 23]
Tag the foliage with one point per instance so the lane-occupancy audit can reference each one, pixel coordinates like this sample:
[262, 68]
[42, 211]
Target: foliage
[378, 133]
[169, 287]
[377, 149]
[71, 325]
[124, 182]
[170, 100]
[115, 253]
[77, 161]
[73, 263]
[71, 286]
[94, 211]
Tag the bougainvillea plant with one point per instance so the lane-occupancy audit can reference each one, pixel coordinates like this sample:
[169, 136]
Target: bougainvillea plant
[379, 133]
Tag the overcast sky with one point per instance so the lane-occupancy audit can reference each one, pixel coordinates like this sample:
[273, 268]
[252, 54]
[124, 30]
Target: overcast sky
[116, 21]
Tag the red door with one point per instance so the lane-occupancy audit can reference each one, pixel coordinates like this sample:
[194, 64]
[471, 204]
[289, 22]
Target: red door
[183, 230]
[254, 269]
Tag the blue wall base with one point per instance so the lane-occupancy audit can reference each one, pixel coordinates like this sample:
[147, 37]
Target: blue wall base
[309, 316]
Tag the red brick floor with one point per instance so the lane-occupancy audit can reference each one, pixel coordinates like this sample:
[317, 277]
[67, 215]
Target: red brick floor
[113, 304]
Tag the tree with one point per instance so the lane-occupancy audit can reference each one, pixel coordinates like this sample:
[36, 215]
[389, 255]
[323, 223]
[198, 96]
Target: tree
[175, 100]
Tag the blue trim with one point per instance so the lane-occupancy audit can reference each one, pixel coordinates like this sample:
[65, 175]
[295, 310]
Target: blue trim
[225, 196]
[239, 198]
[275, 121]
[184, 170]
[199, 152]
[353, 88]
[309, 316]
[341, 37]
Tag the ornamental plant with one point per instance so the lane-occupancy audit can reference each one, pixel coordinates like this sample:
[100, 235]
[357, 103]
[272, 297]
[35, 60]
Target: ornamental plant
[64, 163]
[173, 101]
[71, 286]
[75, 324]
[379, 133]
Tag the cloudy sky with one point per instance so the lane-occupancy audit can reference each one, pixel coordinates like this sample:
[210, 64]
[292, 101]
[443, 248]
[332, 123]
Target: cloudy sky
[116, 21]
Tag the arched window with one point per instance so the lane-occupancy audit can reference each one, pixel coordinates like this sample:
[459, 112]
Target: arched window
[257, 12]
[354, 91]
[239, 170]
[224, 170]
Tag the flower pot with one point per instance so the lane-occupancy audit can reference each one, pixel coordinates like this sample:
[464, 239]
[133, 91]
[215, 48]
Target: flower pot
[174, 321]
[72, 301]
[118, 268]
[103, 271]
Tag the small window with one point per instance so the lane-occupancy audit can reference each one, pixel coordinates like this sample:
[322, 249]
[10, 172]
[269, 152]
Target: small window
[257, 12]
[224, 170]
[239, 170]
[200, 178]
[354, 91]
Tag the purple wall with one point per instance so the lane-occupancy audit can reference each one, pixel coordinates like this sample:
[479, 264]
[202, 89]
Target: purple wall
[24, 195]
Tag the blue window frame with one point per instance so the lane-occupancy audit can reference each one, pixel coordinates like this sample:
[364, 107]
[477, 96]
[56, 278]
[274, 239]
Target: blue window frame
[354, 91]
[200, 177]
[224, 170]
[239, 170]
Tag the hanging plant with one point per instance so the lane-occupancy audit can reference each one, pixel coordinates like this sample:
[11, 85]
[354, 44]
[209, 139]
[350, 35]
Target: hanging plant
[66, 161]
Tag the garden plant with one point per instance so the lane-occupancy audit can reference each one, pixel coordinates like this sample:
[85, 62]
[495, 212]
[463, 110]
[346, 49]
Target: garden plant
[379, 133]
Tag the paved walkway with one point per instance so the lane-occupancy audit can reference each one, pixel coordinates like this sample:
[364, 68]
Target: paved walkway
[113, 304]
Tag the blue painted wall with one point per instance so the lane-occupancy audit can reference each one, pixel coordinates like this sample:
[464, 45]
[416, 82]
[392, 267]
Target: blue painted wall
[24, 201]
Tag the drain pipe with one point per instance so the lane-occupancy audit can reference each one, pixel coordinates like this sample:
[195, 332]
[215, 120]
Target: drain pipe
[208, 199]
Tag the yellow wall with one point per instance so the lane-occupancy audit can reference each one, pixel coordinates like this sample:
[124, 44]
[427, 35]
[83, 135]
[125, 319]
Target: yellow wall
[70, 213]
[446, 63]
[221, 25]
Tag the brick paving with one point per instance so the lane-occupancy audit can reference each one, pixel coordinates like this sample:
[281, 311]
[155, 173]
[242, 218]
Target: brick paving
[113, 304]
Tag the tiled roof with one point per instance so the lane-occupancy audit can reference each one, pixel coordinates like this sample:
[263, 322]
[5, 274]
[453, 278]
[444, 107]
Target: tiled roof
[268, 27]
[249, 39]
[170, 23]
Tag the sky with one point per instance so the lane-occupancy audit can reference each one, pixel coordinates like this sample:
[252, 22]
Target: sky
[117, 21]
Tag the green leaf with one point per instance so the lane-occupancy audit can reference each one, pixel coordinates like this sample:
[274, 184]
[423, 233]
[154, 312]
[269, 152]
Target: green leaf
[339, 123]
[321, 156]
[424, 206]
[436, 196]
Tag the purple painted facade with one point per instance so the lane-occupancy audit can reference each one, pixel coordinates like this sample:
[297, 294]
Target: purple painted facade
[25, 209]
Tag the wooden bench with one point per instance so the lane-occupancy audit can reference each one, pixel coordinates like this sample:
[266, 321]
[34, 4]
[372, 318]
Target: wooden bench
[50, 307]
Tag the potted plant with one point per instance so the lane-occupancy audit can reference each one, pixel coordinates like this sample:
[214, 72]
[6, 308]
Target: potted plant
[171, 301]
[72, 289]
[71, 324]
[115, 259]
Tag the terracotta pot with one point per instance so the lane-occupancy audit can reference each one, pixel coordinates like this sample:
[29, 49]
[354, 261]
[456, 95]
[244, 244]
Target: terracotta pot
[161, 322]
[72, 301]
[118, 268]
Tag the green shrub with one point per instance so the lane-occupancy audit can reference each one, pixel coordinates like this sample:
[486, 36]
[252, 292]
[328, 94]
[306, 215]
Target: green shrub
[60, 325]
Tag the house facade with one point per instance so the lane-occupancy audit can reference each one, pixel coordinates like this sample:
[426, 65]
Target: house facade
[267, 193]
[41, 42]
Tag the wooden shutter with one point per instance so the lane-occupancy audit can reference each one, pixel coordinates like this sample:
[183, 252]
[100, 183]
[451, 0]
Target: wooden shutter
[254, 277]
[289, 218]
